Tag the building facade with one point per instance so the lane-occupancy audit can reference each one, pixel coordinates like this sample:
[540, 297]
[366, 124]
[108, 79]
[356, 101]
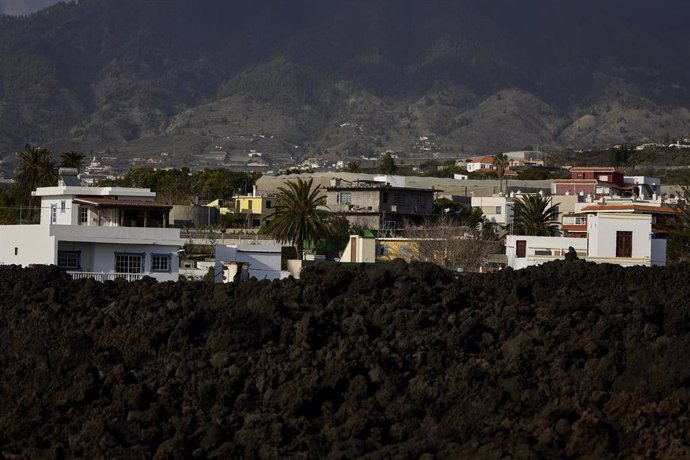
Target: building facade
[97, 232]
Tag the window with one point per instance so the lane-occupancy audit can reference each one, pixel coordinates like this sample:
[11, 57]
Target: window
[623, 244]
[256, 223]
[84, 215]
[498, 209]
[249, 204]
[129, 263]
[345, 197]
[69, 259]
[160, 263]
[53, 213]
[603, 178]
[63, 206]
[268, 204]
[580, 221]
[521, 248]
[16, 251]
[385, 197]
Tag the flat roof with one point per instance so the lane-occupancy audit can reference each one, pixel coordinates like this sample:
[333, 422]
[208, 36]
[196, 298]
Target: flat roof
[112, 203]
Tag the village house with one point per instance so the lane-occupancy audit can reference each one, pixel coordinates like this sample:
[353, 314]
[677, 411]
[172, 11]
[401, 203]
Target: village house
[597, 182]
[384, 204]
[481, 163]
[255, 209]
[96, 232]
[628, 234]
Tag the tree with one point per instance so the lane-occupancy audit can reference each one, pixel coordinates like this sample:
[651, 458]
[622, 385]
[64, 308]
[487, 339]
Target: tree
[72, 159]
[501, 162]
[534, 215]
[679, 225]
[299, 215]
[451, 245]
[387, 164]
[36, 169]
[353, 166]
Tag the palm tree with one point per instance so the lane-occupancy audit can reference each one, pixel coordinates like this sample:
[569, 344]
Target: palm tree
[72, 160]
[298, 216]
[501, 162]
[534, 215]
[36, 169]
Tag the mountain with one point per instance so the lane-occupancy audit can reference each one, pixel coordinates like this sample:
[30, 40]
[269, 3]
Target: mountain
[213, 79]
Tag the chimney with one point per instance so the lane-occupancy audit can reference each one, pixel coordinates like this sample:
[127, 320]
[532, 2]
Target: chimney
[254, 191]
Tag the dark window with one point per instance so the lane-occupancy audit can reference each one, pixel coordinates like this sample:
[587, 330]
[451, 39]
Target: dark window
[268, 204]
[160, 262]
[69, 259]
[129, 263]
[256, 223]
[385, 197]
[521, 248]
[623, 244]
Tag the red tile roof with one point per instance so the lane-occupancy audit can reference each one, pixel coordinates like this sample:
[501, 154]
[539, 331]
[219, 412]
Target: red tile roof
[647, 209]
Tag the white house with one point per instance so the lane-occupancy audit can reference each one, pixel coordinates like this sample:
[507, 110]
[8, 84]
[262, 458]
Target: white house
[96, 232]
[252, 261]
[476, 164]
[623, 235]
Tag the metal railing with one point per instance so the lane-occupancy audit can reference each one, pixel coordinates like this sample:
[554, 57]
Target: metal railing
[106, 276]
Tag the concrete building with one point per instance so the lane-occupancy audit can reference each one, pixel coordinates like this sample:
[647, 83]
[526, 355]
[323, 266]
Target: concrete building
[97, 232]
[497, 209]
[379, 205]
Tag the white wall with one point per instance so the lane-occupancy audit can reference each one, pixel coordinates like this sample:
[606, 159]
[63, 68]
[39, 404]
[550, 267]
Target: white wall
[68, 217]
[602, 228]
[264, 261]
[658, 252]
[365, 250]
[557, 245]
[33, 244]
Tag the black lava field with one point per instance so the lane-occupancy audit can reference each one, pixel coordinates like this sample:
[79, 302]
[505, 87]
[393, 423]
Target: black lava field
[566, 360]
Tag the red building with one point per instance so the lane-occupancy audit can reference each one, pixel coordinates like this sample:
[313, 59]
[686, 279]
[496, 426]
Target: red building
[597, 182]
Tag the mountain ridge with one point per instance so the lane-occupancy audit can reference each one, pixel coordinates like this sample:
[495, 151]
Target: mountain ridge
[478, 77]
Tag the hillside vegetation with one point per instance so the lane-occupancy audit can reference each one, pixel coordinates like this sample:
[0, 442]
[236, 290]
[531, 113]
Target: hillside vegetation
[306, 76]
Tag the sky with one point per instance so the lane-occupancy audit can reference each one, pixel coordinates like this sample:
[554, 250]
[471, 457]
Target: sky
[17, 7]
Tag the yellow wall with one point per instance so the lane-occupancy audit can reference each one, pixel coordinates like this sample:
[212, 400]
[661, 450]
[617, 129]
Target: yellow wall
[256, 204]
[395, 249]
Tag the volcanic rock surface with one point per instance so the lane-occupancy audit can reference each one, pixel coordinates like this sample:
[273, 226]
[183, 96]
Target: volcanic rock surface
[566, 360]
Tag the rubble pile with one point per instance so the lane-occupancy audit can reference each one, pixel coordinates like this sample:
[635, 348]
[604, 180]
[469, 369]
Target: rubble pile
[563, 360]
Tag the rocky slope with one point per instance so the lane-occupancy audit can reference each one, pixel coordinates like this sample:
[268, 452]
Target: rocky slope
[566, 360]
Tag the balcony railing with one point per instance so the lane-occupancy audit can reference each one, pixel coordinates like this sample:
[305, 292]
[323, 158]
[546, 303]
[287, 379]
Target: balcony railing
[106, 276]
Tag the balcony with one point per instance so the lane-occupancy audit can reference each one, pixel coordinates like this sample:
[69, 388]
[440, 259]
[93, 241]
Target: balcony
[100, 277]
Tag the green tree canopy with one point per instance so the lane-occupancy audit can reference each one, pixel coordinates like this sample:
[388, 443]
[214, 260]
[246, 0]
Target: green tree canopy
[387, 164]
[534, 215]
[300, 215]
[72, 159]
[36, 168]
